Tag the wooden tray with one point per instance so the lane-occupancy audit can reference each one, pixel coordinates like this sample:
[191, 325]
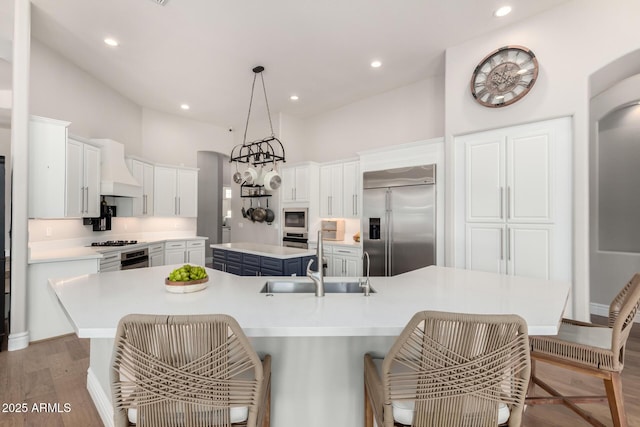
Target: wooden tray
[185, 287]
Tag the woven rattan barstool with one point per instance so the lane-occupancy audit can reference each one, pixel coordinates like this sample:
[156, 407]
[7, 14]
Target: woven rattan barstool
[188, 371]
[449, 369]
[593, 350]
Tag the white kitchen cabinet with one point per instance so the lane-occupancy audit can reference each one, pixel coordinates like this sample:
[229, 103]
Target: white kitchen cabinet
[83, 180]
[517, 194]
[509, 176]
[180, 252]
[143, 172]
[64, 173]
[331, 191]
[298, 182]
[342, 261]
[352, 191]
[156, 254]
[340, 191]
[516, 249]
[175, 191]
[175, 252]
[195, 252]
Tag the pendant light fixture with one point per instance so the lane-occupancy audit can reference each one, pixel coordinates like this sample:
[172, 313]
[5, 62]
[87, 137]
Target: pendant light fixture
[262, 151]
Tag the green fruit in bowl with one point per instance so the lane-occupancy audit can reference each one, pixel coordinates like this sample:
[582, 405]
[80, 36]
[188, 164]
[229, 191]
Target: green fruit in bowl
[187, 273]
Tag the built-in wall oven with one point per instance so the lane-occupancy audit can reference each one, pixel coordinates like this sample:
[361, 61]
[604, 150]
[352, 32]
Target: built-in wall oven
[295, 227]
[136, 258]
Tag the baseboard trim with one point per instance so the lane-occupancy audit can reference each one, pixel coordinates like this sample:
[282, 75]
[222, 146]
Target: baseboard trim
[603, 310]
[18, 341]
[100, 399]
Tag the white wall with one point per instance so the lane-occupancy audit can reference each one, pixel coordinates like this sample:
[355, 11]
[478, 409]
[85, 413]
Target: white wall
[571, 42]
[409, 113]
[175, 140]
[60, 90]
[121, 229]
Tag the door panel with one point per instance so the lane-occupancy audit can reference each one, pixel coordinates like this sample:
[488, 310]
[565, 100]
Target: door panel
[412, 228]
[529, 251]
[529, 177]
[485, 180]
[485, 247]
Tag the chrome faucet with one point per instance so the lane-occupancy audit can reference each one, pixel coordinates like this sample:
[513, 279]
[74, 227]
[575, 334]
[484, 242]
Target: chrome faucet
[364, 283]
[318, 276]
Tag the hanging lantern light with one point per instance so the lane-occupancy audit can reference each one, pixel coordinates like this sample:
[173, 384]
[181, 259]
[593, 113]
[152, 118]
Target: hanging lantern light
[262, 151]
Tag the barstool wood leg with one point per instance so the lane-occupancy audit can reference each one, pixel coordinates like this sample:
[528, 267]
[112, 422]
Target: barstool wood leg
[368, 410]
[613, 386]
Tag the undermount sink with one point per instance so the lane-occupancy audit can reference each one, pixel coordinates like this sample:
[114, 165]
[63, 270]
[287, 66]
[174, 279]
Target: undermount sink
[308, 287]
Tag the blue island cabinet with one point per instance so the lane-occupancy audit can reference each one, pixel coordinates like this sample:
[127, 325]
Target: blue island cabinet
[245, 264]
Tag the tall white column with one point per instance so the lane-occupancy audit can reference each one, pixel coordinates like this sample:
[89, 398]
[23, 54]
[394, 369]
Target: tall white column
[19, 334]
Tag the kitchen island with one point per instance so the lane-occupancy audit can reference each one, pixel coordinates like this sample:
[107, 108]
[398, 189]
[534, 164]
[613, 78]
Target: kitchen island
[317, 344]
[256, 259]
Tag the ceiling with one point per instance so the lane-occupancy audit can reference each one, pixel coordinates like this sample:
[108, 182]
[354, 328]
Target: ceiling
[201, 52]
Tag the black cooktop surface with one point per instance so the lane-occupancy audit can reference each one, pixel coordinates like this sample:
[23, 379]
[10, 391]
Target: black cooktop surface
[115, 243]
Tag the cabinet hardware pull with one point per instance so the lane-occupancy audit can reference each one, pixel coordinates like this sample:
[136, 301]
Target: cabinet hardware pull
[501, 244]
[508, 202]
[501, 190]
[508, 244]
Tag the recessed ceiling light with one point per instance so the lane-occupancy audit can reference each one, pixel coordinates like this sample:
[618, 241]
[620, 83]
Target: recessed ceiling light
[111, 42]
[185, 106]
[376, 64]
[503, 11]
[294, 97]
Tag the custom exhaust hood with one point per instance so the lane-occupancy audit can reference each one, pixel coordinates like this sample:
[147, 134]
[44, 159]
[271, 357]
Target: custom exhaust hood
[115, 178]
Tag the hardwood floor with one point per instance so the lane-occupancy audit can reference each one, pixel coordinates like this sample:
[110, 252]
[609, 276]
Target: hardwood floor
[54, 372]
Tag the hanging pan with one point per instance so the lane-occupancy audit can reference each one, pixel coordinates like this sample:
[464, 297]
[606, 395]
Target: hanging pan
[259, 214]
[270, 215]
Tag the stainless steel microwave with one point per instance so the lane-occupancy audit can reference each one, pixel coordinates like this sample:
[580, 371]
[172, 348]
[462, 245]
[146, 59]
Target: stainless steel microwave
[295, 220]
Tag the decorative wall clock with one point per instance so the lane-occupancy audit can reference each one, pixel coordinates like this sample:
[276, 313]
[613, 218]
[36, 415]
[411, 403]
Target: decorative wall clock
[504, 76]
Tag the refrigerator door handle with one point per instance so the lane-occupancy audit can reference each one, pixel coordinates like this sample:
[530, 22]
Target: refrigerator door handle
[390, 238]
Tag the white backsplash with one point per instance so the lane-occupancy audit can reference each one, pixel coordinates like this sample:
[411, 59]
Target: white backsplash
[43, 230]
[351, 227]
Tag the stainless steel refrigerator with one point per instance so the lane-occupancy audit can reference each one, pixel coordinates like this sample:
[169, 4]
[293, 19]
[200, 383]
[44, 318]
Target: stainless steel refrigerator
[399, 208]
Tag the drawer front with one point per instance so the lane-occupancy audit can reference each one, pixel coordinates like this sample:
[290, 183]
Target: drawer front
[271, 263]
[195, 244]
[234, 269]
[220, 254]
[270, 272]
[250, 270]
[234, 257]
[251, 259]
[175, 245]
[156, 248]
[338, 250]
[110, 258]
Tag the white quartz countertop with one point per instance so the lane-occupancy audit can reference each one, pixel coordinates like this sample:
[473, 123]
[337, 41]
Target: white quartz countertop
[57, 251]
[95, 303]
[282, 252]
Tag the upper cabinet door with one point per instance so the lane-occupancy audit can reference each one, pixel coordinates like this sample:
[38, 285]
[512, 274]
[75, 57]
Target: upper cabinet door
[288, 184]
[75, 193]
[147, 191]
[165, 201]
[91, 179]
[351, 188]
[302, 184]
[529, 176]
[187, 193]
[485, 186]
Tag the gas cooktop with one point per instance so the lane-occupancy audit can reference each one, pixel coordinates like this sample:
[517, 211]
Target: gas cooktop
[115, 243]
